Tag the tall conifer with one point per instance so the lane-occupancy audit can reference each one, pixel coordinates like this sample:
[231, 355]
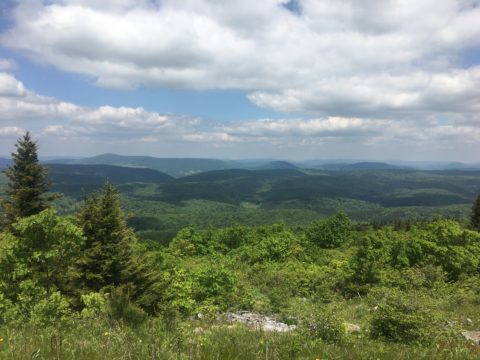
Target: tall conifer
[475, 217]
[27, 182]
[108, 251]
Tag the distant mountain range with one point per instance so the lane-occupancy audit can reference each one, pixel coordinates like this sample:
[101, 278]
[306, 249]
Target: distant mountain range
[363, 166]
[179, 167]
[176, 167]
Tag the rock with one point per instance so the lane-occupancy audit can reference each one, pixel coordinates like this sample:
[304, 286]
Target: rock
[472, 336]
[259, 322]
[352, 328]
[198, 331]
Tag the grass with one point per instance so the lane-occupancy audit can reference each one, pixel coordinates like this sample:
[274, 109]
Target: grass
[99, 340]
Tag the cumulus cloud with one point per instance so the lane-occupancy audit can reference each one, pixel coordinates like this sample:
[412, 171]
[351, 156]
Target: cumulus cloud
[9, 131]
[333, 126]
[57, 118]
[372, 58]
[7, 64]
[123, 129]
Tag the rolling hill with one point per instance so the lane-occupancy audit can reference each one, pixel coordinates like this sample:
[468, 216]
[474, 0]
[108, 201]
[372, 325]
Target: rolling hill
[159, 205]
[77, 180]
[172, 166]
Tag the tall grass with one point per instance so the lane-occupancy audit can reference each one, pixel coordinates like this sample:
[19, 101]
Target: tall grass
[99, 339]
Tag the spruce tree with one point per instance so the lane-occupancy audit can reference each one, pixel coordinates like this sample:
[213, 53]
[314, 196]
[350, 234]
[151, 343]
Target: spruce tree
[108, 260]
[475, 217]
[110, 263]
[27, 182]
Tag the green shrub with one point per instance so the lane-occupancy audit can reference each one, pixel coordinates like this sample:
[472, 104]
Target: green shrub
[371, 259]
[120, 308]
[94, 305]
[331, 232]
[53, 310]
[325, 325]
[404, 319]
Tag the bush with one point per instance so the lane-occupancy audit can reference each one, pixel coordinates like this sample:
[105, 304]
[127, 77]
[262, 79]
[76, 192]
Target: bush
[331, 232]
[326, 325]
[95, 304]
[405, 320]
[53, 310]
[370, 262]
[120, 308]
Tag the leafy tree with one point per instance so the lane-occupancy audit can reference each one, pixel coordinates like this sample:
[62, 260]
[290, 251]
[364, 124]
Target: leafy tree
[369, 262]
[28, 182]
[331, 232]
[475, 217]
[37, 260]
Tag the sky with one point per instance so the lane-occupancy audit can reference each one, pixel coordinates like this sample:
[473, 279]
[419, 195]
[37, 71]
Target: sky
[299, 79]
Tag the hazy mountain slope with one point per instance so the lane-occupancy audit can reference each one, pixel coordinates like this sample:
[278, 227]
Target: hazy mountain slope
[173, 166]
[79, 179]
[277, 165]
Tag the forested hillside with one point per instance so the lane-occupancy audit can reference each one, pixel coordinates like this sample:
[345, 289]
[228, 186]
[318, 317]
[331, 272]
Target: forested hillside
[158, 205]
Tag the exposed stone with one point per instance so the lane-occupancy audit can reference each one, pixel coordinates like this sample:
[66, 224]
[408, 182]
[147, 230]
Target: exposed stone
[352, 328]
[258, 321]
[472, 336]
[198, 330]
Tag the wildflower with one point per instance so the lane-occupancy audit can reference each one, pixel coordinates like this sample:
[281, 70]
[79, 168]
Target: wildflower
[1, 339]
[106, 333]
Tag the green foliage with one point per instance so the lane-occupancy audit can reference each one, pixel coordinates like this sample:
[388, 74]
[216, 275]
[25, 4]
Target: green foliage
[53, 310]
[108, 248]
[94, 305]
[325, 325]
[190, 242]
[39, 260]
[271, 243]
[369, 263]
[401, 318]
[331, 232]
[475, 216]
[28, 183]
[121, 308]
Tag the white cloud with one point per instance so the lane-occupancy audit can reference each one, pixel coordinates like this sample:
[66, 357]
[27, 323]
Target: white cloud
[53, 117]
[9, 131]
[7, 64]
[10, 87]
[355, 58]
[333, 126]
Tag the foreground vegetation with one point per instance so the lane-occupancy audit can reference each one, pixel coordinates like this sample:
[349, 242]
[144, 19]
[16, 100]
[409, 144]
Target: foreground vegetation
[83, 287]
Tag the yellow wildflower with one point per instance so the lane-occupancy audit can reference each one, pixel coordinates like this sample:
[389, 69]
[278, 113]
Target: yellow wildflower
[106, 333]
[1, 340]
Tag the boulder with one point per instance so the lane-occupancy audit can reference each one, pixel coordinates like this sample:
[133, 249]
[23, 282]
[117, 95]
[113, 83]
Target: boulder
[472, 336]
[258, 321]
[352, 328]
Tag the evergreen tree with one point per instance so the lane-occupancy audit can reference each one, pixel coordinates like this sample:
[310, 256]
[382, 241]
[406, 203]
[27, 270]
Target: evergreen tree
[27, 183]
[475, 217]
[109, 262]
[108, 249]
